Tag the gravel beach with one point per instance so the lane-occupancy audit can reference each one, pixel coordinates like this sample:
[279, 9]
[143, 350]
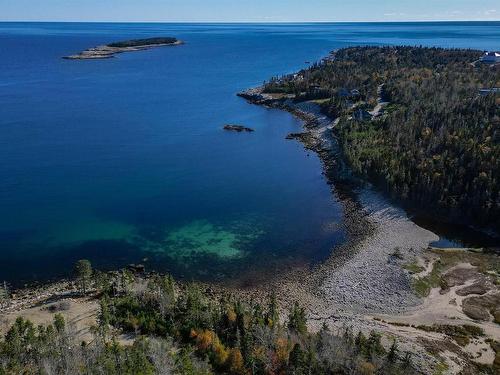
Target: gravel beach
[365, 274]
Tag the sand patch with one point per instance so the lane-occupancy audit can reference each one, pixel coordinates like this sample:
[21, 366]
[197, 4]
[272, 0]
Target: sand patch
[78, 313]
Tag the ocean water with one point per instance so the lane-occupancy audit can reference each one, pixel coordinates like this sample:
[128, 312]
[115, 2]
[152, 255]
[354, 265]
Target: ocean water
[125, 161]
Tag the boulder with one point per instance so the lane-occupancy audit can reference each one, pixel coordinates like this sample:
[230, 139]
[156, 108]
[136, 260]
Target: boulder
[476, 288]
[237, 128]
[136, 268]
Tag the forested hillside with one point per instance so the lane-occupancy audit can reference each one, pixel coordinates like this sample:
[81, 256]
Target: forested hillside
[434, 141]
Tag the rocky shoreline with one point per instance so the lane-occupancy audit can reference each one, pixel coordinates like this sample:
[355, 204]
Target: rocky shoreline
[362, 275]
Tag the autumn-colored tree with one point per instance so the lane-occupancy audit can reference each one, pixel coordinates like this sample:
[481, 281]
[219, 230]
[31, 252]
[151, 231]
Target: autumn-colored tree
[366, 368]
[220, 354]
[235, 363]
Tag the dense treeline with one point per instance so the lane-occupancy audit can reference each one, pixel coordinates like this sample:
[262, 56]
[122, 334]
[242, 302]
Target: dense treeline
[184, 330]
[143, 42]
[436, 144]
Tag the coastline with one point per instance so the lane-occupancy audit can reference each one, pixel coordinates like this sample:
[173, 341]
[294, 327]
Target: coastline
[316, 287]
[361, 275]
[363, 285]
[383, 276]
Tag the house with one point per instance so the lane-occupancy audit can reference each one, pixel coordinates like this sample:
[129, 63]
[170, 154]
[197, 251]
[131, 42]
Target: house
[355, 93]
[491, 58]
[316, 89]
[345, 93]
[485, 92]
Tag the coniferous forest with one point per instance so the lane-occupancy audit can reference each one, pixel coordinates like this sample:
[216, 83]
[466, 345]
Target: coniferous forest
[434, 141]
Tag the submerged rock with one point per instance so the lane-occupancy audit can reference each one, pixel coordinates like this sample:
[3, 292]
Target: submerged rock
[237, 128]
[136, 268]
[299, 136]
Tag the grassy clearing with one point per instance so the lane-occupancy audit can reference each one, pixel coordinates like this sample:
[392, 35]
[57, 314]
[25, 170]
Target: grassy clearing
[321, 101]
[393, 107]
[486, 263]
[423, 285]
[414, 268]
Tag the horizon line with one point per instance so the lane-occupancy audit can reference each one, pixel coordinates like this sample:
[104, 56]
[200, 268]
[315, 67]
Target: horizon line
[249, 22]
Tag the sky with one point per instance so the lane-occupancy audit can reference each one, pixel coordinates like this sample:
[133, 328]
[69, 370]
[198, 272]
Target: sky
[248, 10]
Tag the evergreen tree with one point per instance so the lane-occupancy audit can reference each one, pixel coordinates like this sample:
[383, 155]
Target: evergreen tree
[392, 356]
[4, 294]
[83, 274]
[297, 321]
[297, 360]
[59, 323]
[272, 317]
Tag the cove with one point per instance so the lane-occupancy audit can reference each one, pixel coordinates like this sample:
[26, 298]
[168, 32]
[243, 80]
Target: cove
[125, 161]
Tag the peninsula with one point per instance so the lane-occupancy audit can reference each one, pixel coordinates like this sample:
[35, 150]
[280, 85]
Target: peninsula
[413, 121]
[110, 50]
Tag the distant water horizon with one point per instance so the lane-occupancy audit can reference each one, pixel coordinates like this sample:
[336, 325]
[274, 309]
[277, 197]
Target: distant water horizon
[275, 23]
[125, 161]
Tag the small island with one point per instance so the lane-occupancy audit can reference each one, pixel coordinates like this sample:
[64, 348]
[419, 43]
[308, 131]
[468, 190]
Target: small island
[110, 50]
[237, 128]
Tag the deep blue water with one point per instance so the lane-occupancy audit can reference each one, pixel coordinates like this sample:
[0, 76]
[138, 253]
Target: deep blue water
[124, 160]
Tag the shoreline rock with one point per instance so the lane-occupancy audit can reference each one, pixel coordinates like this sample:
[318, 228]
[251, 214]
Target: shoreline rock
[238, 128]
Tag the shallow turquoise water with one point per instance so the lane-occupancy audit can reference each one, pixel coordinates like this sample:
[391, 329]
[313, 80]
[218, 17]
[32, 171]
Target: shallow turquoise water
[124, 160]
